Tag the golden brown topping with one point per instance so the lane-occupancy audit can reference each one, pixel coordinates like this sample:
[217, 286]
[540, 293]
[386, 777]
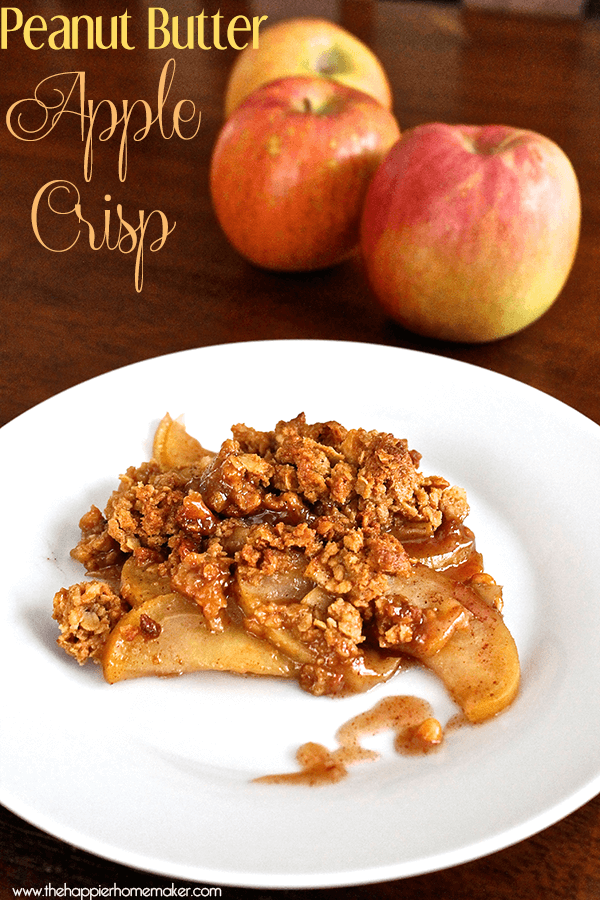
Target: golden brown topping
[86, 613]
[96, 550]
[143, 511]
[453, 504]
[234, 483]
[204, 577]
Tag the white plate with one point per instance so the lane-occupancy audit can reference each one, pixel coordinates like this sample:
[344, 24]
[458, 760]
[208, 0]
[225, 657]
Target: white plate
[157, 773]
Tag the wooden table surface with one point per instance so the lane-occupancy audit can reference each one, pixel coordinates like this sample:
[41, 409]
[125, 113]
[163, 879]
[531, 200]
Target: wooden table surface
[69, 316]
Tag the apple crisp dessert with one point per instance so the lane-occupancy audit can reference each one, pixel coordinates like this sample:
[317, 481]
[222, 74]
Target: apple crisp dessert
[311, 552]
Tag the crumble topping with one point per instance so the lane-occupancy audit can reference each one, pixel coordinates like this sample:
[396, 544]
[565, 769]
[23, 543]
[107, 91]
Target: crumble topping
[86, 613]
[301, 529]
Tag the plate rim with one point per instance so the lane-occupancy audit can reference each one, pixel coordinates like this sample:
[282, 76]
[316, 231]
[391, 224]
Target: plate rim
[190, 351]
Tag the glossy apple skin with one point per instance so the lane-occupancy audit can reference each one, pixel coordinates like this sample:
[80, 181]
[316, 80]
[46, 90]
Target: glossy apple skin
[307, 46]
[290, 170]
[469, 233]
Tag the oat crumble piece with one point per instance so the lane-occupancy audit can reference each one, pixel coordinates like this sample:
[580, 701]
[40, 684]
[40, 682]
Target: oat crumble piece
[86, 613]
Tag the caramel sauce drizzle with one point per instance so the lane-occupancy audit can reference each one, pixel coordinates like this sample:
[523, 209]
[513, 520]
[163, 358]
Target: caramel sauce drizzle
[416, 731]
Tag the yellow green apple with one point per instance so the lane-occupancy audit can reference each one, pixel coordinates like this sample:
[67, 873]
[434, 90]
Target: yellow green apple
[291, 167]
[469, 233]
[307, 46]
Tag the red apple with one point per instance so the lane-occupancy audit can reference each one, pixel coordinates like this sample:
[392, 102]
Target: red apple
[469, 233]
[290, 170]
[307, 46]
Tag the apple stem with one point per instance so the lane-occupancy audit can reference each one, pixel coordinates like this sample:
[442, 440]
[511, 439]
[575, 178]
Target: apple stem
[306, 105]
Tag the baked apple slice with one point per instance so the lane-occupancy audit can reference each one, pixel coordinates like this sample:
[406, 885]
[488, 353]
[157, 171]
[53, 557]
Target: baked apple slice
[422, 604]
[141, 582]
[174, 448]
[456, 634]
[289, 585]
[167, 635]
[372, 667]
[479, 664]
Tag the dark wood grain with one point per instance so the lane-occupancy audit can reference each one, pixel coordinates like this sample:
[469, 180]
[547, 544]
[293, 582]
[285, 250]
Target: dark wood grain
[69, 316]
